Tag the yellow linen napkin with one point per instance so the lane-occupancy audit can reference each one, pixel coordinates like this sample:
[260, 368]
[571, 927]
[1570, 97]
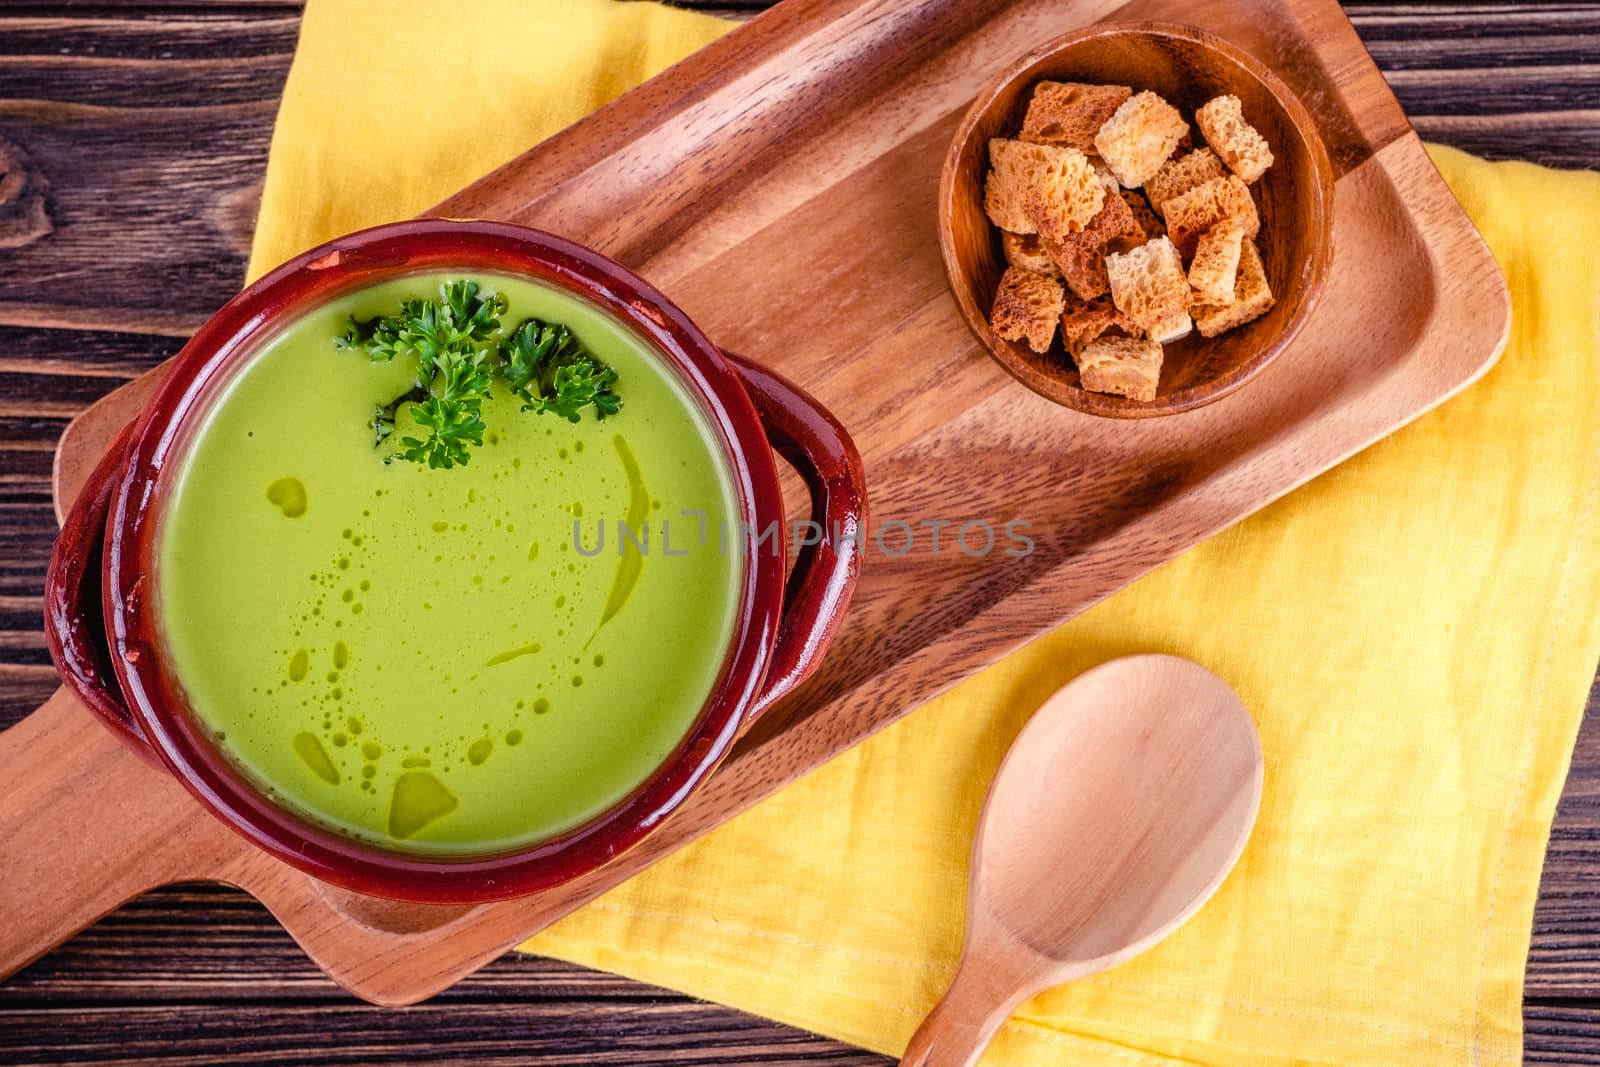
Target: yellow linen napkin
[1414, 633]
[391, 107]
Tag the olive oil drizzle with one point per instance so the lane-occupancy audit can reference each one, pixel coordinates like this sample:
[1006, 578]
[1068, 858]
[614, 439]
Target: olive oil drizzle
[632, 561]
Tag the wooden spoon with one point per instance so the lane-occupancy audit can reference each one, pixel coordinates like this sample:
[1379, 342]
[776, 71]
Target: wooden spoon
[1116, 814]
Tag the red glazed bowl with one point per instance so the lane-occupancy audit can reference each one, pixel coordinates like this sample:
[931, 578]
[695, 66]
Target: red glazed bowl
[105, 637]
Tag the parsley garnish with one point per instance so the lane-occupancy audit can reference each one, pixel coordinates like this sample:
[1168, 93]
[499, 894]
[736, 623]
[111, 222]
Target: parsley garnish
[547, 367]
[460, 348]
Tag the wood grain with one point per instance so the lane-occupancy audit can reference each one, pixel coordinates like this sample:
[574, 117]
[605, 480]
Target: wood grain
[140, 230]
[718, 170]
[1506, 80]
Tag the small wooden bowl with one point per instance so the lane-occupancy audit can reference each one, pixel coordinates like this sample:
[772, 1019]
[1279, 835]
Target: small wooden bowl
[1187, 66]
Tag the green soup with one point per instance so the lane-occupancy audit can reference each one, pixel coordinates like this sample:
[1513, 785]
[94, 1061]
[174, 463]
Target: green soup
[447, 661]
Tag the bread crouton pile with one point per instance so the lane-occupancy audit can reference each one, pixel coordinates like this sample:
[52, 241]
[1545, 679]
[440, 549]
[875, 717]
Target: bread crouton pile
[1121, 231]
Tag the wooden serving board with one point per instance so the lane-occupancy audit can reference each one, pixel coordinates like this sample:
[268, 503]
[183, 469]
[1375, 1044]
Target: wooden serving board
[781, 186]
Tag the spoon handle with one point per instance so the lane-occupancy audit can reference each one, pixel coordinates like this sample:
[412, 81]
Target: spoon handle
[961, 1025]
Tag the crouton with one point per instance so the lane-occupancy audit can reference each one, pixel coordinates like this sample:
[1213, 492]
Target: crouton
[1138, 137]
[1027, 306]
[1252, 297]
[1081, 257]
[1058, 183]
[1180, 174]
[1193, 213]
[1084, 320]
[1103, 172]
[1126, 366]
[1011, 168]
[1118, 231]
[1069, 114]
[1027, 252]
[1239, 144]
[1144, 214]
[1175, 327]
[1148, 283]
[1215, 267]
[1064, 197]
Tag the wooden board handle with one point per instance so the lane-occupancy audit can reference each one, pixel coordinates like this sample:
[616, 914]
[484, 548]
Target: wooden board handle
[818, 447]
[84, 826]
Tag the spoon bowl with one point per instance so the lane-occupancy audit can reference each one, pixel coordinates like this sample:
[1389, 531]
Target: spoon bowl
[1119, 810]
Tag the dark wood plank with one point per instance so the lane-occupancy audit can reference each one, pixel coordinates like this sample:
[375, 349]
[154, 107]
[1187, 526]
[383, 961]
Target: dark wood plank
[202, 974]
[1507, 81]
[1564, 1031]
[1565, 958]
[153, 9]
[146, 124]
[140, 145]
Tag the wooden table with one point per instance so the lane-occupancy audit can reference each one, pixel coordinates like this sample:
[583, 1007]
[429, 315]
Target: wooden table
[150, 121]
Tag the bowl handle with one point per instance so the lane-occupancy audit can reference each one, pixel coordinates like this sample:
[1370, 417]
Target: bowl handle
[824, 575]
[74, 624]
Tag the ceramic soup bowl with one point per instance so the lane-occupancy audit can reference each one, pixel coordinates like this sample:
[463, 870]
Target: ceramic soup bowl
[104, 621]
